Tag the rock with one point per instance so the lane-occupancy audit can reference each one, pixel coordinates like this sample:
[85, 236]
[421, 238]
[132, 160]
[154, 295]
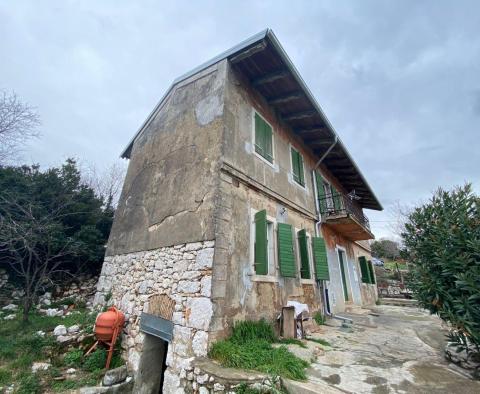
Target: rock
[203, 390]
[115, 376]
[40, 333]
[9, 317]
[63, 338]
[60, 330]
[204, 258]
[73, 329]
[53, 312]
[200, 343]
[40, 366]
[47, 302]
[188, 286]
[10, 307]
[201, 311]
[206, 283]
[193, 246]
[218, 387]
[201, 379]
[71, 371]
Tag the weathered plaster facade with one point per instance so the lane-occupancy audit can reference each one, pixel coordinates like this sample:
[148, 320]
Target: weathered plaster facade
[183, 227]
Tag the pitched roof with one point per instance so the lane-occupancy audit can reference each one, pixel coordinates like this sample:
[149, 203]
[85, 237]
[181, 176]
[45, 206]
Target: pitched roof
[265, 63]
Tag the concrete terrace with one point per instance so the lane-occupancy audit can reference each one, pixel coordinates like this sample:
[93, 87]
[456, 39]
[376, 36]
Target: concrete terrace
[394, 350]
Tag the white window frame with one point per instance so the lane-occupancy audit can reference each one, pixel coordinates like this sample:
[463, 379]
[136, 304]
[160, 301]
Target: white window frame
[347, 273]
[272, 269]
[310, 281]
[304, 187]
[272, 164]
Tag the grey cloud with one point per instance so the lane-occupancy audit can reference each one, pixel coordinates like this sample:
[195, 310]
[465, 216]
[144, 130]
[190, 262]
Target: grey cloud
[395, 78]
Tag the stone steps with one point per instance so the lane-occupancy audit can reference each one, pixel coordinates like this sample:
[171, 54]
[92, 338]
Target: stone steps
[399, 302]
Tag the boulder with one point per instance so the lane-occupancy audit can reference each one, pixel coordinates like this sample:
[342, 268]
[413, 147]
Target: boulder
[10, 317]
[60, 330]
[40, 366]
[73, 329]
[53, 312]
[10, 307]
[115, 376]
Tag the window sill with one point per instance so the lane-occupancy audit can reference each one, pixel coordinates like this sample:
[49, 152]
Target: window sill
[308, 281]
[263, 278]
[259, 156]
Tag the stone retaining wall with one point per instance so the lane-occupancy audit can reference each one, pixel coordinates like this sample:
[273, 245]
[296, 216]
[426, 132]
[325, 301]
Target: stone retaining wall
[184, 273]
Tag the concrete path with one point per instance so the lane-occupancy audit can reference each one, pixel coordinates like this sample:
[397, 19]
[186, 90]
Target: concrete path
[398, 351]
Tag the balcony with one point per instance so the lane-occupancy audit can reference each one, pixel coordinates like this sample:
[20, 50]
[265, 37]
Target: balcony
[343, 216]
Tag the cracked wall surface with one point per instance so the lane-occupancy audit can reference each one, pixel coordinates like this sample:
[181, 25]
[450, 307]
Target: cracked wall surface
[169, 191]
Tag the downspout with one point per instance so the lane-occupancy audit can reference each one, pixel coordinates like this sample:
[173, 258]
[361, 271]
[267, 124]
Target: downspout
[319, 221]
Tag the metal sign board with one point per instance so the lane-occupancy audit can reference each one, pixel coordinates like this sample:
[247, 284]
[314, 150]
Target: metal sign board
[156, 326]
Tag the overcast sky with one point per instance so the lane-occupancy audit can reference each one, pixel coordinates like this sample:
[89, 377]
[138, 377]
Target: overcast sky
[399, 80]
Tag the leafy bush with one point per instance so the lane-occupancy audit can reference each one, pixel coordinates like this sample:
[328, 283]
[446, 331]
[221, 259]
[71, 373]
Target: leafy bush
[95, 360]
[442, 241]
[319, 318]
[5, 376]
[73, 358]
[29, 384]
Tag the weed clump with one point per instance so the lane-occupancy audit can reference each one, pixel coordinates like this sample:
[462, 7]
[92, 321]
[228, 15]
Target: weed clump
[250, 347]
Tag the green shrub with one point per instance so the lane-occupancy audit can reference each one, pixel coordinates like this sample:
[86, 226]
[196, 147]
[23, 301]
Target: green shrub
[319, 318]
[96, 360]
[29, 383]
[253, 330]
[73, 358]
[5, 376]
[442, 243]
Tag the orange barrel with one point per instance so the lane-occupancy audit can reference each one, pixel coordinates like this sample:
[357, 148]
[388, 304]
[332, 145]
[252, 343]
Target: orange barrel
[107, 322]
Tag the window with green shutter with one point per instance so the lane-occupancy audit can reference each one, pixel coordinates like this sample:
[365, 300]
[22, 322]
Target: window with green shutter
[364, 269]
[297, 167]
[263, 138]
[337, 199]
[304, 258]
[320, 259]
[371, 272]
[286, 255]
[261, 244]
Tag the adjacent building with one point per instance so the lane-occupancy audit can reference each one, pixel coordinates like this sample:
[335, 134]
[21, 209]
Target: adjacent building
[239, 197]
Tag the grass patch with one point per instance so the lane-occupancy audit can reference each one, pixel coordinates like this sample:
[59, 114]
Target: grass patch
[319, 318]
[292, 341]
[250, 347]
[21, 346]
[319, 341]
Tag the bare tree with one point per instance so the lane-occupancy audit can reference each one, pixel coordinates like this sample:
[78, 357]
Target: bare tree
[29, 244]
[108, 183]
[18, 122]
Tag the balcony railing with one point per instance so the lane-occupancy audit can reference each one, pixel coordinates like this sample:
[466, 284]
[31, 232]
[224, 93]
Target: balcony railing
[335, 205]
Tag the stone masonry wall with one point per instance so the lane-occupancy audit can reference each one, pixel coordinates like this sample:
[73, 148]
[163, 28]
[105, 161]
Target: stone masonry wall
[183, 272]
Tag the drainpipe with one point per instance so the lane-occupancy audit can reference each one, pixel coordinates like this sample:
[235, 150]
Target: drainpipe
[318, 223]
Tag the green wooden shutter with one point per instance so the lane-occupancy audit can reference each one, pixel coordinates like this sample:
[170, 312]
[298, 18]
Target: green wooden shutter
[261, 247]
[371, 272]
[322, 202]
[304, 259]
[337, 200]
[320, 258]
[268, 141]
[364, 269]
[301, 176]
[286, 255]
[263, 138]
[294, 164]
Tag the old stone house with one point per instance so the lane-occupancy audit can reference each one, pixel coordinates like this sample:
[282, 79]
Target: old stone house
[239, 197]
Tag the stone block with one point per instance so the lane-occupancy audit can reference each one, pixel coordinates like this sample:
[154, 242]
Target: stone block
[204, 258]
[199, 312]
[200, 343]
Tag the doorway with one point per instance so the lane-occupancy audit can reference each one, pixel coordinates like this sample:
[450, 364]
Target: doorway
[342, 261]
[151, 370]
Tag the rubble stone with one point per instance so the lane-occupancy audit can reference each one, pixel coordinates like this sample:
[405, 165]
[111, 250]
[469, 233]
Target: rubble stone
[60, 330]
